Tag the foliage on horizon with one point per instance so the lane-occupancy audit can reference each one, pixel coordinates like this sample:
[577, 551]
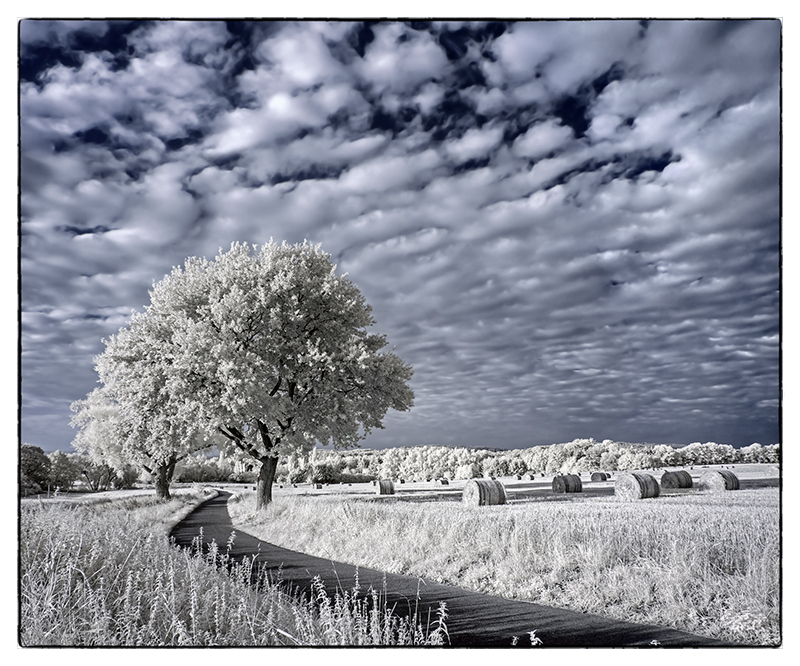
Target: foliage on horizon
[580, 455]
[433, 462]
[61, 471]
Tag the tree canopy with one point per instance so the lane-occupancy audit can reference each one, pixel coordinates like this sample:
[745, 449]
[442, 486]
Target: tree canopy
[267, 346]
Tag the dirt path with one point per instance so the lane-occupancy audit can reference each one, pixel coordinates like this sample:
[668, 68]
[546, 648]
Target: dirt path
[474, 619]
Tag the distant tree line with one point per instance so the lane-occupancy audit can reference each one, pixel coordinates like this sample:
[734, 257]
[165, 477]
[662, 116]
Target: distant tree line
[41, 472]
[580, 455]
[67, 471]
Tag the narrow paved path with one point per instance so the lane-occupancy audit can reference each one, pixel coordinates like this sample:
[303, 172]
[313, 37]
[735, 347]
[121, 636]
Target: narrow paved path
[473, 619]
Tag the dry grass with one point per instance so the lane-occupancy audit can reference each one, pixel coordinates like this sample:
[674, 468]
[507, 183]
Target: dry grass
[708, 564]
[104, 574]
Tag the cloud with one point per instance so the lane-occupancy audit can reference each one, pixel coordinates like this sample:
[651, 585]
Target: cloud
[400, 60]
[570, 229]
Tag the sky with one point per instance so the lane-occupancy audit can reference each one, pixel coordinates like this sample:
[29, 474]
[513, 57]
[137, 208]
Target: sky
[568, 228]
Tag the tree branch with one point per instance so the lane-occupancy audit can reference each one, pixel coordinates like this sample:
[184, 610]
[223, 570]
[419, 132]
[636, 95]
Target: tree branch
[277, 386]
[239, 441]
[262, 429]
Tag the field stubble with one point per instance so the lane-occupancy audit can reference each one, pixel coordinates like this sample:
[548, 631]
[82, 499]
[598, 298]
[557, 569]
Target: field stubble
[703, 563]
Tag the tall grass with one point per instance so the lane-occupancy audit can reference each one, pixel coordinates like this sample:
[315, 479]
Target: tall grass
[704, 564]
[105, 575]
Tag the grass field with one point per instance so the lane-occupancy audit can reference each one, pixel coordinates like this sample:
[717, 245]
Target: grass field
[701, 562]
[101, 572]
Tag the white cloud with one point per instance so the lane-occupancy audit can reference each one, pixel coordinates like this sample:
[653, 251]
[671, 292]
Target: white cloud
[400, 60]
[475, 144]
[600, 287]
[299, 58]
[541, 139]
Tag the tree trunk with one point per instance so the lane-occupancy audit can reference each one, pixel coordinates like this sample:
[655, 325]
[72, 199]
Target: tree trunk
[266, 477]
[163, 477]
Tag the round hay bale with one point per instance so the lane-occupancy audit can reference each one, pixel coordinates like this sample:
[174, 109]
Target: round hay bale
[318, 486]
[718, 480]
[444, 482]
[385, 487]
[482, 492]
[402, 480]
[679, 479]
[567, 483]
[636, 485]
[599, 476]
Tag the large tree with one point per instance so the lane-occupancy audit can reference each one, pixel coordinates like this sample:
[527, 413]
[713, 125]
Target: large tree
[267, 346]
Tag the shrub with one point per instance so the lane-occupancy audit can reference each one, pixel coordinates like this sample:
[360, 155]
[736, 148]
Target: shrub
[127, 478]
[300, 475]
[325, 473]
[199, 469]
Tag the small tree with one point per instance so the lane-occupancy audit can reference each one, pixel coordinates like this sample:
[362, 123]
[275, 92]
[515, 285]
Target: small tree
[97, 476]
[267, 347]
[117, 428]
[64, 470]
[34, 468]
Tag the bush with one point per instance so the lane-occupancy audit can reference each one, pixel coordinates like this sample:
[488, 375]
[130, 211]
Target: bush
[243, 477]
[199, 469]
[326, 473]
[127, 478]
[299, 475]
[356, 478]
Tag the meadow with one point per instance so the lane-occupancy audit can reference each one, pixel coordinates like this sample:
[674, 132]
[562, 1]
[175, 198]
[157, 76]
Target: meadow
[707, 563]
[103, 573]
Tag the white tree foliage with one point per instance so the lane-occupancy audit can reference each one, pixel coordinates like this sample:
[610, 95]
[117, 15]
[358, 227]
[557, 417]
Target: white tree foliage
[101, 430]
[267, 346]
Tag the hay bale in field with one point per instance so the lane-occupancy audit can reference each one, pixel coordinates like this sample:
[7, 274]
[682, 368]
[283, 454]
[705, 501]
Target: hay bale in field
[599, 476]
[444, 482]
[482, 492]
[636, 485]
[679, 479]
[318, 486]
[718, 481]
[567, 483]
[402, 480]
[385, 487]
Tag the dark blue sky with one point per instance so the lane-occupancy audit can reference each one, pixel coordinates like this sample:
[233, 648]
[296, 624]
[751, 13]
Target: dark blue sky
[569, 229]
